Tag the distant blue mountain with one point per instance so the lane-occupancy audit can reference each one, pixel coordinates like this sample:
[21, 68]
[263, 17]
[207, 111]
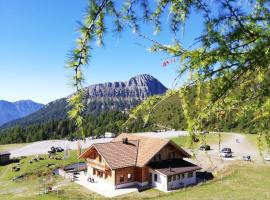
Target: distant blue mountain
[14, 110]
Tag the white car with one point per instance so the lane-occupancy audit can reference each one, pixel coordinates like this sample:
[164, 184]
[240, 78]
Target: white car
[226, 153]
[266, 158]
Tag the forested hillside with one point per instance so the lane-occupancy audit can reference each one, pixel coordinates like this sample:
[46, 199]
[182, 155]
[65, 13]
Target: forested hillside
[97, 98]
[169, 114]
[166, 115]
[110, 121]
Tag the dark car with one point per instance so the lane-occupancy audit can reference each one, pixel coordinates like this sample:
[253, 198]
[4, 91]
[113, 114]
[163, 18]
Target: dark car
[52, 151]
[205, 147]
[204, 132]
[59, 149]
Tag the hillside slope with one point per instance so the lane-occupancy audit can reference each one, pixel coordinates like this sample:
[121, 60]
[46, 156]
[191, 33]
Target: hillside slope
[99, 98]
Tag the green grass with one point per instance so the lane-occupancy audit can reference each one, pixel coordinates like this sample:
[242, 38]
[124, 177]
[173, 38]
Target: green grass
[39, 167]
[239, 182]
[8, 147]
[253, 139]
[212, 138]
[243, 181]
[247, 182]
[38, 176]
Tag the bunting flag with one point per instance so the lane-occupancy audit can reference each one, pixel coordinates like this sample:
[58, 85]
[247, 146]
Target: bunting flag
[168, 61]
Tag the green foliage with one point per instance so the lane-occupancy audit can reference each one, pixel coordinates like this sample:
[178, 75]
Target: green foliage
[233, 50]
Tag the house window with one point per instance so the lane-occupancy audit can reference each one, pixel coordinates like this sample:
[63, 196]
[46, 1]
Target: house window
[99, 158]
[177, 177]
[182, 176]
[157, 157]
[122, 179]
[169, 155]
[155, 177]
[129, 177]
[173, 178]
[99, 174]
[190, 174]
[173, 155]
[169, 178]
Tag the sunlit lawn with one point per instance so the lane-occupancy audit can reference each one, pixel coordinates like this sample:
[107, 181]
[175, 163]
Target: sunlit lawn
[38, 176]
[212, 138]
[247, 182]
[253, 139]
[239, 182]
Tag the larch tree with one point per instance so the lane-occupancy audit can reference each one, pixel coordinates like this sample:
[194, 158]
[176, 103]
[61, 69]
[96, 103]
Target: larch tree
[230, 62]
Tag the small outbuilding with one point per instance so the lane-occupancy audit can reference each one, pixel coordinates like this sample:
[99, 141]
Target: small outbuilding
[4, 157]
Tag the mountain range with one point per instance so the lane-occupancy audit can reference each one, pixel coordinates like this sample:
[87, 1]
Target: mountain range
[98, 98]
[14, 110]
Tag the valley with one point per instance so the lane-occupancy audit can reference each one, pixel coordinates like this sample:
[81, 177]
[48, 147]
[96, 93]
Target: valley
[229, 174]
[135, 100]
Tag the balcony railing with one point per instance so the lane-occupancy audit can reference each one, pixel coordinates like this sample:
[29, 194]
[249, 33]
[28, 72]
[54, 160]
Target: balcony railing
[95, 164]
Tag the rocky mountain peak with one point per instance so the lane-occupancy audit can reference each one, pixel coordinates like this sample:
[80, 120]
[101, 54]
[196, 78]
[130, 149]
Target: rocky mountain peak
[138, 87]
[98, 98]
[141, 80]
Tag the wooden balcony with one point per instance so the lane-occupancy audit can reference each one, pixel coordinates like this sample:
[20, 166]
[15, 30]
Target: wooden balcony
[95, 164]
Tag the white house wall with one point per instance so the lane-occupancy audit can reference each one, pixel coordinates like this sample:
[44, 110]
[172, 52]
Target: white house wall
[161, 182]
[183, 182]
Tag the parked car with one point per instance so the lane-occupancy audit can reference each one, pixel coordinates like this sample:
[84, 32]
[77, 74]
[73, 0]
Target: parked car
[52, 151]
[204, 132]
[205, 147]
[266, 158]
[59, 149]
[226, 153]
[247, 158]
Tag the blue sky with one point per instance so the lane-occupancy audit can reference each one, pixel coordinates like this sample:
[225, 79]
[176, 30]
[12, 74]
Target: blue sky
[35, 39]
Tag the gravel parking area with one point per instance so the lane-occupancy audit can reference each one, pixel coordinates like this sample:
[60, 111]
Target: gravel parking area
[43, 147]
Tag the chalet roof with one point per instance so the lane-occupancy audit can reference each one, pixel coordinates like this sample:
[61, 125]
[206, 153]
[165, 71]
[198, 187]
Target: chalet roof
[4, 153]
[117, 154]
[137, 152]
[172, 167]
[148, 147]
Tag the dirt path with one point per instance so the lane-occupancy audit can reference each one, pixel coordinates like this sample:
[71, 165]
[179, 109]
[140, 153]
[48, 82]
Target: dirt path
[244, 147]
[213, 162]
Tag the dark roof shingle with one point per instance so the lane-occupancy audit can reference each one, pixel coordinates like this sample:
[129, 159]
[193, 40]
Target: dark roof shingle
[4, 153]
[175, 166]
